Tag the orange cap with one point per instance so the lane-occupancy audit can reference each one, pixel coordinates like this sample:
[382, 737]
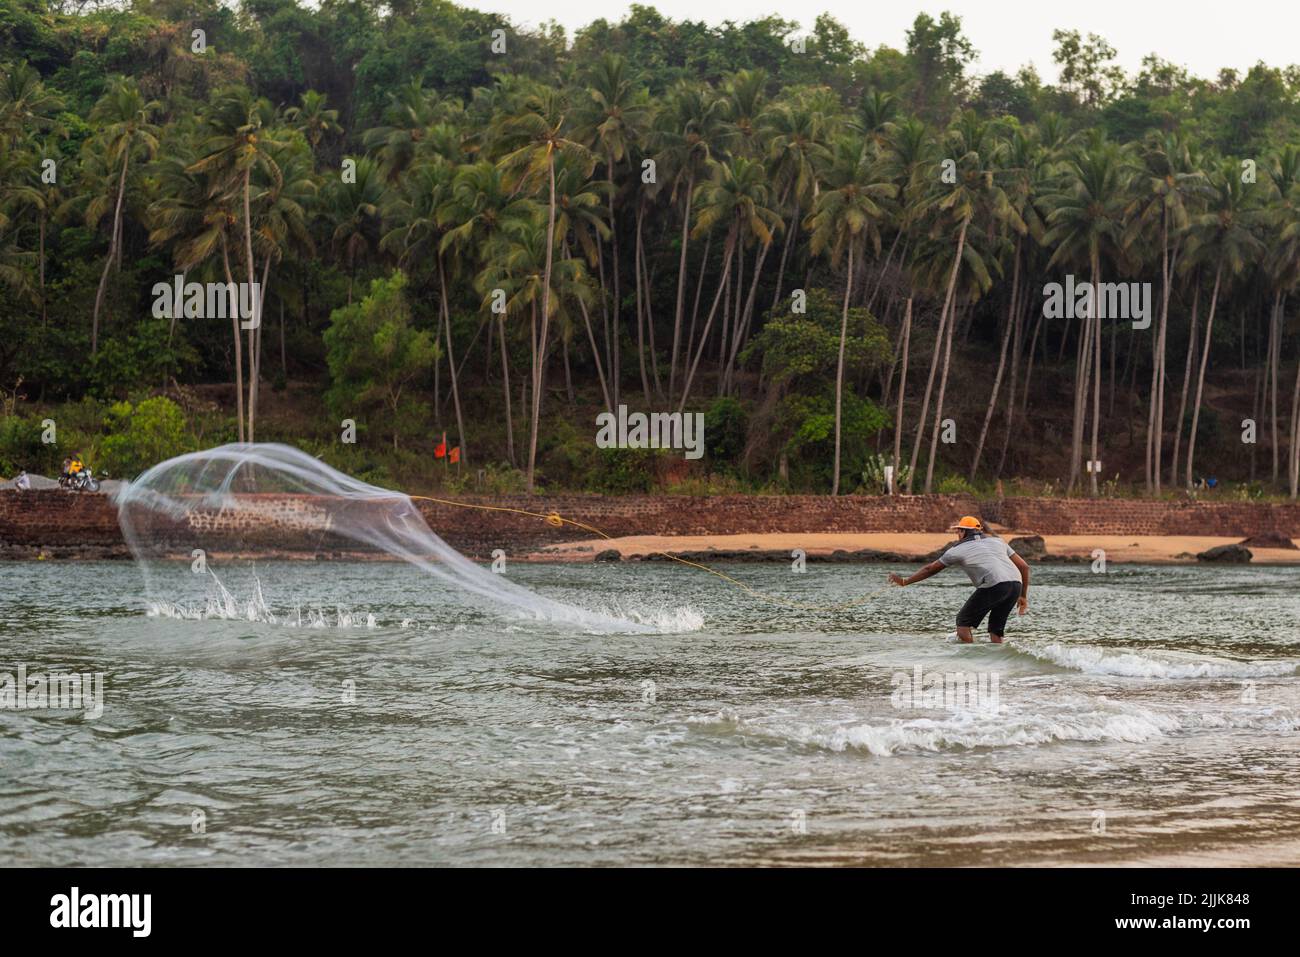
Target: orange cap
[967, 521]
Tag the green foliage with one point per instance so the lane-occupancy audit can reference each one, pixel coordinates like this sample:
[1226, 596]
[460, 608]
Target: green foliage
[827, 144]
[622, 471]
[799, 353]
[141, 436]
[21, 447]
[725, 427]
[379, 362]
[810, 421]
[955, 485]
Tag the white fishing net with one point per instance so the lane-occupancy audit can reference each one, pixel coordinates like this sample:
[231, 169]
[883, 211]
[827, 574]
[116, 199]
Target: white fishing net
[199, 526]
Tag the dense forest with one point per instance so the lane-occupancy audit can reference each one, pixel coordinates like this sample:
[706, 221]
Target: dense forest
[836, 249]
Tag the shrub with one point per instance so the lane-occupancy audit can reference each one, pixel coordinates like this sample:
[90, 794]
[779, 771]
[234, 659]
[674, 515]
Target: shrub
[955, 485]
[725, 427]
[21, 447]
[142, 435]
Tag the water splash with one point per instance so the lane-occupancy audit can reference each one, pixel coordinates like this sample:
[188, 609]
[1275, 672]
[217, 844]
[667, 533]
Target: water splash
[244, 499]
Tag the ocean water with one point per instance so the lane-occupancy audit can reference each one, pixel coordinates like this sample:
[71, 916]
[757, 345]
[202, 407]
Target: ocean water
[363, 714]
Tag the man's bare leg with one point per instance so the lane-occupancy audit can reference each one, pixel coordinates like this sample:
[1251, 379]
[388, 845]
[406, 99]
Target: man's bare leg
[964, 635]
[996, 639]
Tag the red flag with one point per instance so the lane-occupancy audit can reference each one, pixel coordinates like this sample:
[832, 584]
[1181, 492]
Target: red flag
[455, 455]
[441, 449]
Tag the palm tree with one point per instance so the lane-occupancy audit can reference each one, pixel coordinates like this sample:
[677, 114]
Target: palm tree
[478, 207]
[313, 119]
[1221, 238]
[745, 105]
[1166, 184]
[283, 204]
[240, 140]
[1283, 268]
[846, 218]
[537, 134]
[415, 234]
[410, 125]
[581, 215]
[737, 197]
[353, 209]
[616, 116]
[1085, 222]
[124, 117]
[25, 191]
[797, 148]
[976, 192]
[27, 107]
[1023, 159]
[690, 129]
[196, 218]
[521, 262]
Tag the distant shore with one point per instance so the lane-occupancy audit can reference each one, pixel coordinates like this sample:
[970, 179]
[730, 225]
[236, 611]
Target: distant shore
[51, 524]
[895, 546]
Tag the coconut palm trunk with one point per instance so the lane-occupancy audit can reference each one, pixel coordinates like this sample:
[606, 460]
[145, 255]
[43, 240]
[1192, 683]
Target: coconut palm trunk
[112, 253]
[1295, 436]
[947, 354]
[540, 360]
[785, 254]
[839, 369]
[451, 361]
[681, 286]
[1200, 378]
[640, 314]
[1275, 348]
[1013, 310]
[505, 387]
[239, 349]
[902, 397]
[1096, 378]
[1155, 428]
[1187, 379]
[708, 322]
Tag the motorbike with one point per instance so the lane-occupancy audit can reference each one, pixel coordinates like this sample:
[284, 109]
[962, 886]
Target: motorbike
[83, 481]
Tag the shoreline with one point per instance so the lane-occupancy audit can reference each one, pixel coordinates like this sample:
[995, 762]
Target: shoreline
[770, 547]
[895, 547]
[55, 525]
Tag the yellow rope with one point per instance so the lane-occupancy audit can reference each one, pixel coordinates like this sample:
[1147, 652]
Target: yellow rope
[557, 520]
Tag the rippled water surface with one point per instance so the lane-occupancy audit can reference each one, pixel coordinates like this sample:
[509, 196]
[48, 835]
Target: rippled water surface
[369, 716]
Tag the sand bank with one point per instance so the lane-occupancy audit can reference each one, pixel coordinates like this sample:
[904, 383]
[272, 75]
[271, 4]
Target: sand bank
[908, 546]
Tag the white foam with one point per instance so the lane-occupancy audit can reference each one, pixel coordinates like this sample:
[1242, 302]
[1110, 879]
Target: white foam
[235, 479]
[1096, 660]
[1106, 721]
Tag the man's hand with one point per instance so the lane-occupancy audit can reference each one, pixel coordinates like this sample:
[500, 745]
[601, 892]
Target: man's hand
[896, 579]
[1022, 605]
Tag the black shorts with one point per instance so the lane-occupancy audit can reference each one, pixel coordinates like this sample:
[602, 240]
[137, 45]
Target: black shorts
[998, 599]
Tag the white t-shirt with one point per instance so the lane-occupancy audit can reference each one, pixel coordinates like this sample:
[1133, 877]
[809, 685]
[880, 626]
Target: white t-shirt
[986, 560]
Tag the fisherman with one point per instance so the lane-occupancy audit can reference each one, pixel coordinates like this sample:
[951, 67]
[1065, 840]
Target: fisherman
[1000, 577]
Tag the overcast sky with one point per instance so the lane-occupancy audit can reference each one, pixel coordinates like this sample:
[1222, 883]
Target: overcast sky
[1198, 34]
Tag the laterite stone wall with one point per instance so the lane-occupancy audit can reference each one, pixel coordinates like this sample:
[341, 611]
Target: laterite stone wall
[65, 524]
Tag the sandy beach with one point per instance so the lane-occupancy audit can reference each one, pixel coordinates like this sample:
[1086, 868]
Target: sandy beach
[1150, 549]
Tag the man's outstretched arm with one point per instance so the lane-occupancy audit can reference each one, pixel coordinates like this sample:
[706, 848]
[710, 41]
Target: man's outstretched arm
[931, 569]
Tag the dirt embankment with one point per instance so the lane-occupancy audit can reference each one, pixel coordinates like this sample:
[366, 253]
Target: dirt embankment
[57, 524]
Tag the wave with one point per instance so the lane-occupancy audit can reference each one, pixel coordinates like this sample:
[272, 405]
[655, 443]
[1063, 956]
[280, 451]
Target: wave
[1094, 660]
[1100, 721]
[223, 605]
